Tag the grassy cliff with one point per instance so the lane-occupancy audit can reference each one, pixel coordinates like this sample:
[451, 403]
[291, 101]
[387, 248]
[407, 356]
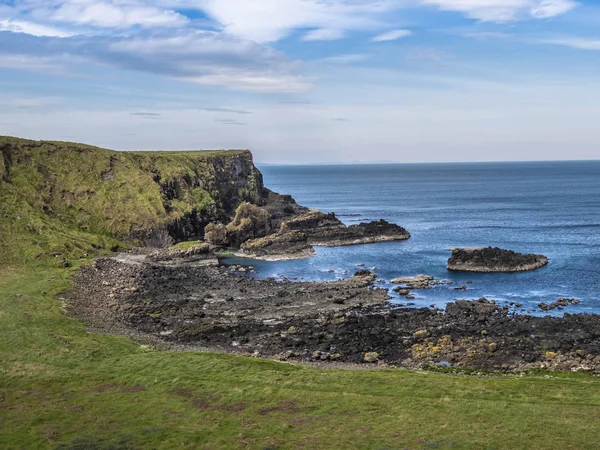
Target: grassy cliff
[67, 199]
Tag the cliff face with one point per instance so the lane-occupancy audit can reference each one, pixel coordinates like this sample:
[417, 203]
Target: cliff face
[66, 198]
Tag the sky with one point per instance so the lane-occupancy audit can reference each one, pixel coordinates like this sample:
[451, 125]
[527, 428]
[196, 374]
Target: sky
[303, 81]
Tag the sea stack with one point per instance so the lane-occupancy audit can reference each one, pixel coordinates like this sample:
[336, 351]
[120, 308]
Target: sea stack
[493, 260]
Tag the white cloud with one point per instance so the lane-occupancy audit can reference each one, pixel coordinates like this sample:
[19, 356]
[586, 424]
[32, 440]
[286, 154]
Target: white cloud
[255, 82]
[116, 14]
[391, 35]
[19, 26]
[271, 20]
[261, 21]
[580, 43]
[345, 59]
[487, 35]
[551, 8]
[324, 34]
[504, 10]
[120, 14]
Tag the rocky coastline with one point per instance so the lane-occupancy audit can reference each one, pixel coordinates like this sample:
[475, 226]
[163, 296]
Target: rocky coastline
[280, 229]
[194, 306]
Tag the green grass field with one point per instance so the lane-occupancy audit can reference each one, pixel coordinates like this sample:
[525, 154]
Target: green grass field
[62, 387]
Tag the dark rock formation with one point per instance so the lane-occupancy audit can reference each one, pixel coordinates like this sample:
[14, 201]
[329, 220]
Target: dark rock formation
[216, 234]
[299, 229]
[327, 230]
[493, 260]
[281, 207]
[250, 222]
[560, 304]
[190, 252]
[418, 282]
[279, 246]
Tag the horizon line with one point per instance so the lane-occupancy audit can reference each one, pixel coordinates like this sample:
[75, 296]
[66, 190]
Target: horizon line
[375, 163]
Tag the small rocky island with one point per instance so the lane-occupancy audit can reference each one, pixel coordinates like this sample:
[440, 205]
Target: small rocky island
[493, 259]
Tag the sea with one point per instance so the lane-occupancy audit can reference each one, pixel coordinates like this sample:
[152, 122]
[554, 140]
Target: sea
[549, 208]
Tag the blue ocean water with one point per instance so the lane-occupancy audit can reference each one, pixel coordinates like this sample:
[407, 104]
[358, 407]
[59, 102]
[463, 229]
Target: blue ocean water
[552, 208]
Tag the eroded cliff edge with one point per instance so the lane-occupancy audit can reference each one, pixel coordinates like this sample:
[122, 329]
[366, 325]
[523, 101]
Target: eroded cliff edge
[68, 200]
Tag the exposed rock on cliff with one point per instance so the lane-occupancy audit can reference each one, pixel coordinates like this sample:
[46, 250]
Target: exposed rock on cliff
[216, 234]
[493, 260]
[281, 207]
[250, 222]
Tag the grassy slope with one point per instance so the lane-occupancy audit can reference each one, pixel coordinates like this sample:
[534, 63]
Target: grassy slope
[55, 200]
[62, 387]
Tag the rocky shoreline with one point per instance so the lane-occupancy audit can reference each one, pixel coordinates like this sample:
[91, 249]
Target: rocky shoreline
[192, 305]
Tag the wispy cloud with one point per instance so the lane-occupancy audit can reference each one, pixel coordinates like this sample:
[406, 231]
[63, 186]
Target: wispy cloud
[487, 35]
[145, 114]
[117, 14]
[20, 26]
[324, 34]
[226, 110]
[550, 8]
[391, 35]
[201, 57]
[230, 122]
[574, 42]
[505, 10]
[273, 20]
[345, 59]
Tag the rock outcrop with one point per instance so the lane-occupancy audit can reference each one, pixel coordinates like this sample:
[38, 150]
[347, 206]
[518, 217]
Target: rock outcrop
[493, 260]
[252, 230]
[327, 230]
[279, 246]
[418, 282]
[188, 252]
[250, 222]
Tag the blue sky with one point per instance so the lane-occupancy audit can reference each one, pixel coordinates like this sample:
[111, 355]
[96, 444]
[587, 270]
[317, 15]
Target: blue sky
[308, 80]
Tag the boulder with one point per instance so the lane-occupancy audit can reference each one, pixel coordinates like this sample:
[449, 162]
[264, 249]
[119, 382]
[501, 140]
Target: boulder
[371, 357]
[216, 234]
[418, 282]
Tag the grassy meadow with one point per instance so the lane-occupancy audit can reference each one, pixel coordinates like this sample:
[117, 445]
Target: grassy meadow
[63, 387]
